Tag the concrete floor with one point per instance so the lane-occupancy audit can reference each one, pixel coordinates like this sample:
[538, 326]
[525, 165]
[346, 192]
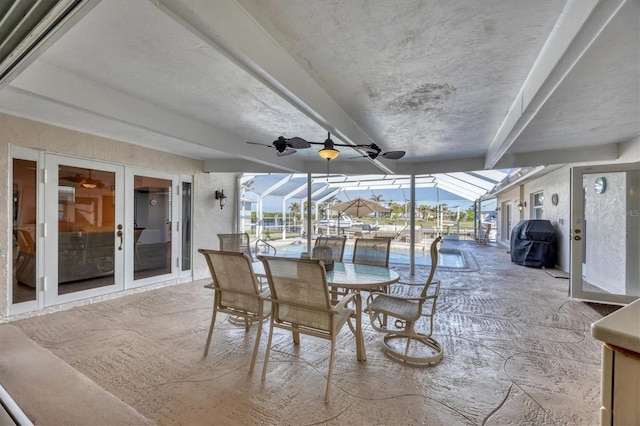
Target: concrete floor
[517, 351]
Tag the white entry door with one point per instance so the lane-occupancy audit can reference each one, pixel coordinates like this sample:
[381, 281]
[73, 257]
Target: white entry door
[605, 233]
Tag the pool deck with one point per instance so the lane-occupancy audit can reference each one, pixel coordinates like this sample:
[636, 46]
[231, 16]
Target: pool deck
[517, 350]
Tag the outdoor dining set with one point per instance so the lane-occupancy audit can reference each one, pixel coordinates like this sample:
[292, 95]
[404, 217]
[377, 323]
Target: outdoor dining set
[318, 293]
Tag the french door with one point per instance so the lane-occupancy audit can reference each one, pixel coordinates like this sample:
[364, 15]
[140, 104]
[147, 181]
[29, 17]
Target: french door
[85, 228]
[605, 233]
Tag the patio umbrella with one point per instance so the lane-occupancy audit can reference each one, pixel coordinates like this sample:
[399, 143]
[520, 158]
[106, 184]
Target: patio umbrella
[358, 207]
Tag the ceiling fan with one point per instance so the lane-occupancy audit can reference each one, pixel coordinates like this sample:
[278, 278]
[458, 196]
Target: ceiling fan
[84, 181]
[289, 146]
[286, 146]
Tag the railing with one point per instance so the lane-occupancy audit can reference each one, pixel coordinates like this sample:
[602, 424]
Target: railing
[263, 247]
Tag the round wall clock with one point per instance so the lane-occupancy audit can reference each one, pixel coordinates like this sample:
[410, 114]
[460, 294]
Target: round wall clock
[554, 199]
[600, 185]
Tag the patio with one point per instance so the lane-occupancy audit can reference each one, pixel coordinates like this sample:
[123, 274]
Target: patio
[517, 350]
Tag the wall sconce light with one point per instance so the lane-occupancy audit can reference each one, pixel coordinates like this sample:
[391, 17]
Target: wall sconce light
[223, 198]
[522, 205]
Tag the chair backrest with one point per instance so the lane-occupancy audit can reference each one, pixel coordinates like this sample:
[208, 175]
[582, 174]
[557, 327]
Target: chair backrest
[299, 292]
[235, 283]
[239, 242]
[25, 240]
[434, 265]
[335, 243]
[373, 252]
[324, 253]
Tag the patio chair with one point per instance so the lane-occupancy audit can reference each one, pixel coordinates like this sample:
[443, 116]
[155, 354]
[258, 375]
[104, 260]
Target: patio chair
[336, 244]
[301, 304]
[406, 311]
[241, 243]
[325, 254]
[238, 242]
[483, 235]
[373, 252]
[236, 293]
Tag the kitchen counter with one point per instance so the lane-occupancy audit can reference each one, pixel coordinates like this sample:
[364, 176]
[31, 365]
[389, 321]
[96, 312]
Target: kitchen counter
[621, 328]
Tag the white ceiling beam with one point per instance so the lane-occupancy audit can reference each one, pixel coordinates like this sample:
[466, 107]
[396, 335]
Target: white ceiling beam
[63, 88]
[226, 26]
[578, 27]
[608, 152]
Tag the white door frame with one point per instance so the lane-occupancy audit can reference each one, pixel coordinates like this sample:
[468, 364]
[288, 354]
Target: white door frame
[578, 287]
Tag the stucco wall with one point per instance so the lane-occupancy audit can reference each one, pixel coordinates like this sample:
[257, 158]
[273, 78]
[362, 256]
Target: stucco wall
[208, 218]
[556, 182]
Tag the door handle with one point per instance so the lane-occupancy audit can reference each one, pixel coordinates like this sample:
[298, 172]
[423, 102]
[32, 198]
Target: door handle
[121, 235]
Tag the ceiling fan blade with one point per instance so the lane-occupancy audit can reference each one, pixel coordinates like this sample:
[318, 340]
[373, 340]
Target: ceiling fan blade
[261, 144]
[286, 152]
[298, 143]
[359, 156]
[76, 178]
[393, 155]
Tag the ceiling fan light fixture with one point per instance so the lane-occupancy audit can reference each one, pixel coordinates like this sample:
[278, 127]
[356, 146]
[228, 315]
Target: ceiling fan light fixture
[329, 153]
[88, 185]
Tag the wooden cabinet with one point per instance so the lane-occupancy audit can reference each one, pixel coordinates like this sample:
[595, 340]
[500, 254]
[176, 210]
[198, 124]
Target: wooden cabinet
[620, 387]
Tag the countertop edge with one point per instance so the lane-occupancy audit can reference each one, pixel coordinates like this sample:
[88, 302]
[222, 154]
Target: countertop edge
[621, 328]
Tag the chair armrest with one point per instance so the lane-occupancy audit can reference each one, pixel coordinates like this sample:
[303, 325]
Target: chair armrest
[346, 299]
[402, 298]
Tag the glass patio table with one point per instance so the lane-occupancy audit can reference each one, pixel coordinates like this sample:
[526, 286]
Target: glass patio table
[350, 276]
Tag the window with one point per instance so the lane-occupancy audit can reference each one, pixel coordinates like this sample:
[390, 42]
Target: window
[538, 199]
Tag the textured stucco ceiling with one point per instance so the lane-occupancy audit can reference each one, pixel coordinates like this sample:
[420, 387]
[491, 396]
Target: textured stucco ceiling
[459, 85]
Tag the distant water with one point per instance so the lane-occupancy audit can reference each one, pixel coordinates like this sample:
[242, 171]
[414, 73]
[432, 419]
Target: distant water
[449, 258]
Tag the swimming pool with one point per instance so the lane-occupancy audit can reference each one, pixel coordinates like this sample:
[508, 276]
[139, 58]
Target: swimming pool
[449, 258]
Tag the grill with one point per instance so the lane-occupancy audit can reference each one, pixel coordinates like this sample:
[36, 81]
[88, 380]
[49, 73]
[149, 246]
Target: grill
[534, 243]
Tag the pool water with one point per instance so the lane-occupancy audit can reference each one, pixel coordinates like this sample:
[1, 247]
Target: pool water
[449, 258]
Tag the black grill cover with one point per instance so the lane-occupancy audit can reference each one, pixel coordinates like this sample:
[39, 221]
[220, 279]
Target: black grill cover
[534, 243]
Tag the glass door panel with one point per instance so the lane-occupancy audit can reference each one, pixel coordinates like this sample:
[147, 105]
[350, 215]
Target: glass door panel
[605, 233]
[185, 262]
[83, 229]
[86, 228]
[152, 226]
[24, 213]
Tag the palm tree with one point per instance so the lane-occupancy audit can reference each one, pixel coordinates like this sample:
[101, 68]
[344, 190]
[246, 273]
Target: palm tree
[295, 209]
